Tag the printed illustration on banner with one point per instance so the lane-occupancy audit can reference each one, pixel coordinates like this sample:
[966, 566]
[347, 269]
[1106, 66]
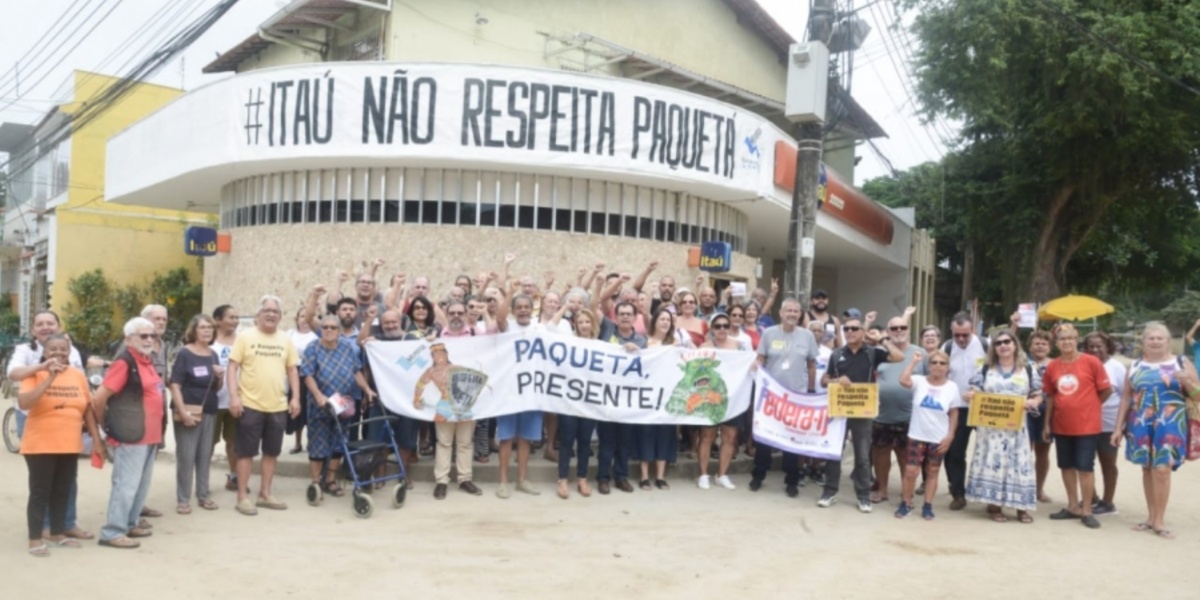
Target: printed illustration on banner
[701, 391]
[751, 155]
[457, 387]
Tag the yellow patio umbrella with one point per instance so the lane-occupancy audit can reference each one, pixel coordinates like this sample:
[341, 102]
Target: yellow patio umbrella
[1074, 308]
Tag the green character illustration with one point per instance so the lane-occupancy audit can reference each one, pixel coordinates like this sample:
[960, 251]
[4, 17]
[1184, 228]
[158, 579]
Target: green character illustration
[701, 391]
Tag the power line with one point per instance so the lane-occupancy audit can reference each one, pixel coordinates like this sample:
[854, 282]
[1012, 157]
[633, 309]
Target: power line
[72, 49]
[944, 132]
[903, 49]
[53, 27]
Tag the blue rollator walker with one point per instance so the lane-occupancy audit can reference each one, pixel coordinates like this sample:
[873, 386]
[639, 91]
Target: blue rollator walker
[360, 459]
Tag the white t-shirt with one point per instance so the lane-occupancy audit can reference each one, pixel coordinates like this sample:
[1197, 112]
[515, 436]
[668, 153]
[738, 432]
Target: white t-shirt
[930, 420]
[221, 351]
[1108, 412]
[823, 354]
[965, 362]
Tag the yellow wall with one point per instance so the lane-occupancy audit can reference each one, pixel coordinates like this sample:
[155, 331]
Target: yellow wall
[130, 243]
[678, 31]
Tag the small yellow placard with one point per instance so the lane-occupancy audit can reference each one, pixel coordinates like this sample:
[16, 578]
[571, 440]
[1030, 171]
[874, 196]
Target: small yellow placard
[859, 401]
[997, 411]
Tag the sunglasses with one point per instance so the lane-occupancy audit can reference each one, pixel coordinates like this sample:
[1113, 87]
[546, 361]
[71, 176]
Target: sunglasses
[147, 336]
[900, 328]
[938, 362]
[1003, 342]
[456, 313]
[721, 326]
[961, 336]
[852, 328]
[329, 327]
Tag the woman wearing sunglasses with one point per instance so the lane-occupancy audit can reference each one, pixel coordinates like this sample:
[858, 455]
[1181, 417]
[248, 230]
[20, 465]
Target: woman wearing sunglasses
[936, 402]
[720, 327]
[1002, 471]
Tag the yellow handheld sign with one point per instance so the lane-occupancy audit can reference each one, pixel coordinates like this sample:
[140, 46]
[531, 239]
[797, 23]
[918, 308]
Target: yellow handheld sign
[859, 401]
[997, 411]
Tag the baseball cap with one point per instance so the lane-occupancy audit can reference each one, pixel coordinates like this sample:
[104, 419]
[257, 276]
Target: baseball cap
[853, 313]
[819, 293]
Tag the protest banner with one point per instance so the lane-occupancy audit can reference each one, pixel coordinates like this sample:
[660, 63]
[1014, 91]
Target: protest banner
[859, 400]
[796, 422]
[479, 377]
[997, 411]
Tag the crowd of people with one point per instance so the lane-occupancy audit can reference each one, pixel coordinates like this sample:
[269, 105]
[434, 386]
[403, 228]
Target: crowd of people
[253, 387]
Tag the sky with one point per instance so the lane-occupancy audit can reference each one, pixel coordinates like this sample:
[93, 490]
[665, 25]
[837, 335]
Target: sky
[881, 81]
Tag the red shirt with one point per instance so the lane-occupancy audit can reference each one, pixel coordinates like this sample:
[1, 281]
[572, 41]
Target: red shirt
[152, 394]
[1075, 386]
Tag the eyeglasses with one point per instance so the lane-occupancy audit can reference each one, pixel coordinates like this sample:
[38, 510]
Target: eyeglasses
[147, 336]
[456, 313]
[721, 326]
[852, 328]
[736, 316]
[938, 362]
[898, 328]
[962, 336]
[490, 300]
[1003, 342]
[688, 302]
[329, 327]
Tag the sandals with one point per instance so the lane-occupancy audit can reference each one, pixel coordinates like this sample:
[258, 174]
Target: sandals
[1024, 517]
[40, 550]
[121, 543]
[79, 534]
[63, 542]
[333, 489]
[208, 504]
[1142, 527]
[661, 484]
[564, 490]
[997, 514]
[183, 509]
[645, 484]
[585, 490]
[1165, 534]
[481, 458]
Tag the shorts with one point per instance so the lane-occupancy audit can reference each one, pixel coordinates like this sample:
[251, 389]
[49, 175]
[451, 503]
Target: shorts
[1104, 445]
[1037, 424]
[525, 425]
[1076, 452]
[255, 427]
[889, 435]
[918, 452]
[224, 427]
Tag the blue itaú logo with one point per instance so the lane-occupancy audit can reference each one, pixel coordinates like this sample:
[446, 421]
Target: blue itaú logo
[715, 257]
[200, 241]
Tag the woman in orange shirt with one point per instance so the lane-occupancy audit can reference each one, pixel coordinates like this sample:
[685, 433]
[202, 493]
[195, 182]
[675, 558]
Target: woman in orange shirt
[56, 397]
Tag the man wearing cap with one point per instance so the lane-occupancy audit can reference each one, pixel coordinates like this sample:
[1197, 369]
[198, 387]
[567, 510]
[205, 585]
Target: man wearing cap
[818, 311]
[856, 363]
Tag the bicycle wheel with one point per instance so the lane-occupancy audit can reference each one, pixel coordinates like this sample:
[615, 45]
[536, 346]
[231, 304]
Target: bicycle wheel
[12, 440]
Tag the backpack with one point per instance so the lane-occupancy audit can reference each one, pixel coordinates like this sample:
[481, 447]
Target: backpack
[125, 413]
[947, 345]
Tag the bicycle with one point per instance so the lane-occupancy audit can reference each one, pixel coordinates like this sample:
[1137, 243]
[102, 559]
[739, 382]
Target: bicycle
[12, 435]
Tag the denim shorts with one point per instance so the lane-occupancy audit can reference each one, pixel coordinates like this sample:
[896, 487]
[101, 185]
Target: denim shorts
[525, 425]
[1076, 452]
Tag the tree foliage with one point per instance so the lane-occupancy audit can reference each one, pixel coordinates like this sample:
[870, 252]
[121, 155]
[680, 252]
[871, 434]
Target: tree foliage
[89, 317]
[99, 307]
[1076, 150]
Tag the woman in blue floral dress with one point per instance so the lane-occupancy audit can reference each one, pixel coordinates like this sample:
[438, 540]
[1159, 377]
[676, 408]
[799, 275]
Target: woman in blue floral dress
[1153, 419]
[1003, 472]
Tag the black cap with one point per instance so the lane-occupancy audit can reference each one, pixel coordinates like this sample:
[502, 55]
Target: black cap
[819, 293]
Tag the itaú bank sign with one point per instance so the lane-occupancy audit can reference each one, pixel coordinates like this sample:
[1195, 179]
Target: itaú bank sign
[443, 114]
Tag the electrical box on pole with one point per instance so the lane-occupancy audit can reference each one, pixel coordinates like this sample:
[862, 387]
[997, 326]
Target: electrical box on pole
[807, 82]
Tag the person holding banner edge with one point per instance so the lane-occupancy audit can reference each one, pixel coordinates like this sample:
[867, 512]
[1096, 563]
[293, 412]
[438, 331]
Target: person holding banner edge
[855, 363]
[788, 352]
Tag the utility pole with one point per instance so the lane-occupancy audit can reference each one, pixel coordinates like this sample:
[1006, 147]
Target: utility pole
[802, 226]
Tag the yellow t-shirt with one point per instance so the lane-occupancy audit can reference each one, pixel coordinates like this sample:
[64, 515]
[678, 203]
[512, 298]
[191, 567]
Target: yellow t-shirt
[263, 360]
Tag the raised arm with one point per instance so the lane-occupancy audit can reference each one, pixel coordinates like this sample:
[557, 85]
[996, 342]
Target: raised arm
[1191, 334]
[336, 294]
[640, 282]
[310, 307]
[379, 262]
[587, 281]
[766, 307]
[502, 283]
[906, 376]
[395, 292]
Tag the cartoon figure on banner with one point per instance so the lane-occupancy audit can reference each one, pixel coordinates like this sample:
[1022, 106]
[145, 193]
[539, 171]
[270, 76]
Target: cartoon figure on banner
[701, 391]
[457, 387]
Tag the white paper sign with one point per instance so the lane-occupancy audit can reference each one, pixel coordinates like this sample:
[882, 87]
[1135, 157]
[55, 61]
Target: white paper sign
[1027, 316]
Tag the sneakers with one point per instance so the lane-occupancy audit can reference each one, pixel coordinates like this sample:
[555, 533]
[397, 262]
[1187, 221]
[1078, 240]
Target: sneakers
[525, 488]
[726, 483]
[439, 491]
[1100, 509]
[271, 503]
[927, 512]
[703, 482]
[818, 479]
[827, 501]
[755, 485]
[864, 505]
[246, 507]
[903, 510]
[502, 491]
[792, 491]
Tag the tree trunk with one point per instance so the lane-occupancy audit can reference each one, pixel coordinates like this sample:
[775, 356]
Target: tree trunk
[1047, 264]
[968, 275]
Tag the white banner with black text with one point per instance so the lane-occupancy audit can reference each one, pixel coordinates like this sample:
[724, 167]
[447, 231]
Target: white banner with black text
[796, 422]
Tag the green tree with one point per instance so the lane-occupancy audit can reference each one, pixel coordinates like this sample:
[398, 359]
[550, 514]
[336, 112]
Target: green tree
[1084, 144]
[89, 318]
[183, 299]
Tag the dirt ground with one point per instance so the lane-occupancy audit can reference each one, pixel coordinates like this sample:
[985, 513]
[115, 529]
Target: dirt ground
[684, 542]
